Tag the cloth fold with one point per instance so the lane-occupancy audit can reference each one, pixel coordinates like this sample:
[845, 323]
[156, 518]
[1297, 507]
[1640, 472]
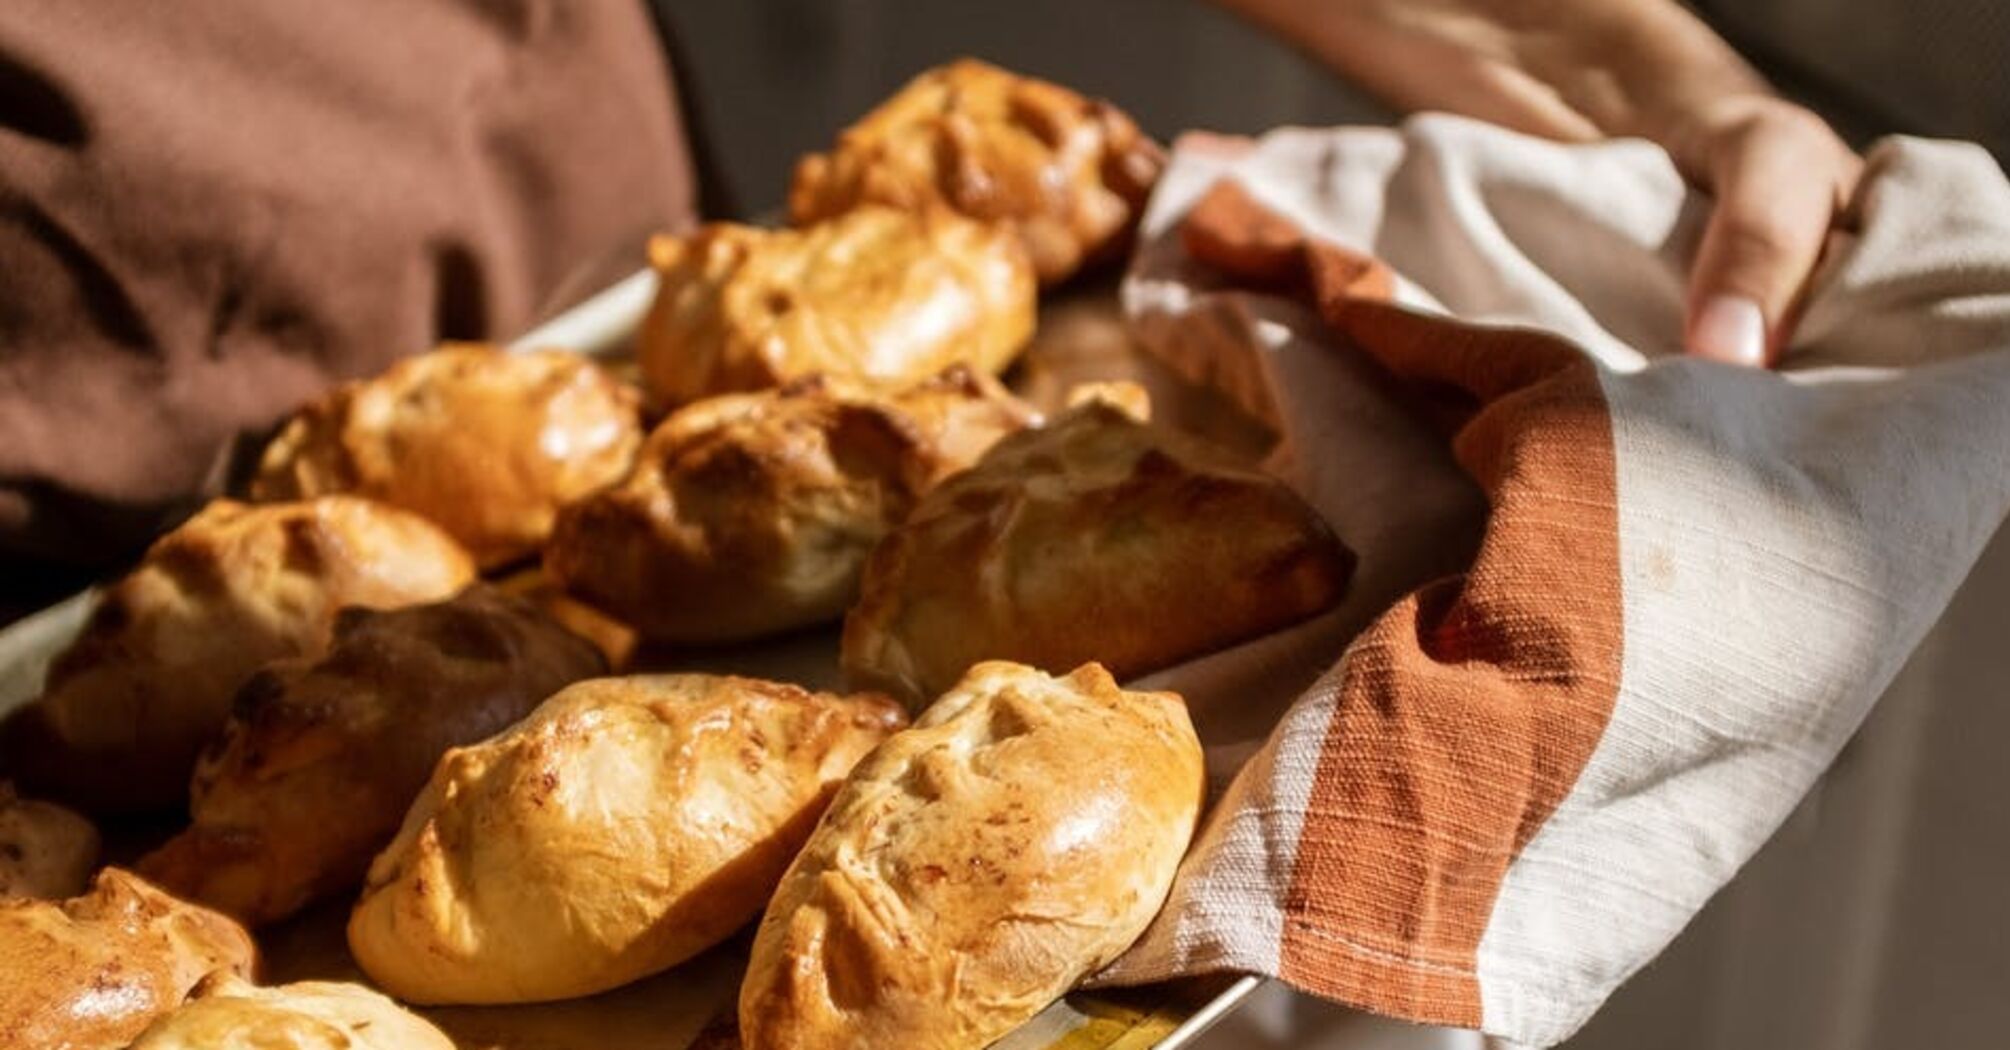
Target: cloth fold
[1527, 771]
[210, 213]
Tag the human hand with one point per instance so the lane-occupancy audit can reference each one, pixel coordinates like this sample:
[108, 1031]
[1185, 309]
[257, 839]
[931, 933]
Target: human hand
[1582, 70]
[1780, 176]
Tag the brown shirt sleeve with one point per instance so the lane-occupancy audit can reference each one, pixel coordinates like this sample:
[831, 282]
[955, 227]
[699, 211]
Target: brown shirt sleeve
[209, 212]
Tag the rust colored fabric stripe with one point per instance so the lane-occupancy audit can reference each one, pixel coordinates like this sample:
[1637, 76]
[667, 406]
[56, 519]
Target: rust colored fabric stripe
[1467, 711]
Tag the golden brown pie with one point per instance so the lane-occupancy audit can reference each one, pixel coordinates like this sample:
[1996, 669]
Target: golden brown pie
[877, 294]
[133, 700]
[1069, 175]
[1096, 537]
[227, 1013]
[976, 866]
[485, 443]
[319, 760]
[627, 825]
[753, 513]
[94, 970]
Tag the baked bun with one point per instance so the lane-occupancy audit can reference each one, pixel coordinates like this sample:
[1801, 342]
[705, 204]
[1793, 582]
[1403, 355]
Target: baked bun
[1094, 537]
[1067, 174]
[94, 970]
[45, 850]
[625, 826]
[226, 1013]
[319, 760]
[753, 513]
[877, 294]
[132, 701]
[616, 639]
[975, 867]
[486, 444]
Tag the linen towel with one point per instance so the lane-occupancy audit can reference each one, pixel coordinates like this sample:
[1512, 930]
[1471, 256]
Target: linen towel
[1617, 609]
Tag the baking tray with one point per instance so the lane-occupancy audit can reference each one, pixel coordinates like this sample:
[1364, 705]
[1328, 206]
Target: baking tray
[690, 1007]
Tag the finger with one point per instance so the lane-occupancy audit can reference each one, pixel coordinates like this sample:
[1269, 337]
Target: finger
[1779, 177]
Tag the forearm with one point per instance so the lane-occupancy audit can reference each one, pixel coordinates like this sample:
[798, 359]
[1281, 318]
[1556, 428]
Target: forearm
[1581, 70]
[1568, 69]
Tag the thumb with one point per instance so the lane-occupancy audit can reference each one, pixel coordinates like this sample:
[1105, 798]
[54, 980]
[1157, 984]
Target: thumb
[1779, 175]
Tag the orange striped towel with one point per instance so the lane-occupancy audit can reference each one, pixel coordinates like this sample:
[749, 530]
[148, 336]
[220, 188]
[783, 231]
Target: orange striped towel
[1608, 634]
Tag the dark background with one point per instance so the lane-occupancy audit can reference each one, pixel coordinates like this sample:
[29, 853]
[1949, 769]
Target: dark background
[772, 79]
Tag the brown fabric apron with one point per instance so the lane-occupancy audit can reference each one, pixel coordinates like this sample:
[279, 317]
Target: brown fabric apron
[209, 212]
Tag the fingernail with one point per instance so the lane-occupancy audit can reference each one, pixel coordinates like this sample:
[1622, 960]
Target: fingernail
[1730, 328]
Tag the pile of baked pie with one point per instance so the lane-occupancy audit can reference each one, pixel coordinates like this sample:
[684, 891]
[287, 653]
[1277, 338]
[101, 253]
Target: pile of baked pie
[322, 678]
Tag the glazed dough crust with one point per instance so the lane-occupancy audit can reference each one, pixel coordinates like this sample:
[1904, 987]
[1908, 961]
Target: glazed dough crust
[226, 1013]
[1097, 537]
[319, 760]
[625, 826]
[973, 868]
[486, 444]
[877, 294]
[133, 700]
[94, 970]
[1068, 175]
[752, 514]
